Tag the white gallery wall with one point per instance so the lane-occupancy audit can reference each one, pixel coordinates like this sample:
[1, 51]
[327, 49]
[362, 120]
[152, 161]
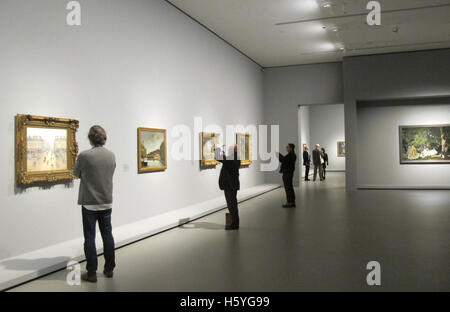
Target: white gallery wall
[304, 134]
[379, 147]
[134, 63]
[287, 88]
[404, 77]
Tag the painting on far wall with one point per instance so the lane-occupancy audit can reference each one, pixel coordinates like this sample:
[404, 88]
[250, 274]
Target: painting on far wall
[244, 148]
[46, 149]
[424, 144]
[152, 150]
[209, 142]
[341, 149]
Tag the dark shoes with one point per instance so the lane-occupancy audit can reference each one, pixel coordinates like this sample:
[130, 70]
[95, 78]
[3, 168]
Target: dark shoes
[93, 278]
[89, 278]
[108, 274]
[289, 205]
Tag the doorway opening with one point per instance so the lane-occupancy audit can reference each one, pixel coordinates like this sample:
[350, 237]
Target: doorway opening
[322, 124]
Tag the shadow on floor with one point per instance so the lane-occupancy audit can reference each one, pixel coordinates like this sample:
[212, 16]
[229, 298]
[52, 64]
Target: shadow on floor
[41, 265]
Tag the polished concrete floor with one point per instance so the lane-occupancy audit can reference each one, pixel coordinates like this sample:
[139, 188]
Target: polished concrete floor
[322, 245]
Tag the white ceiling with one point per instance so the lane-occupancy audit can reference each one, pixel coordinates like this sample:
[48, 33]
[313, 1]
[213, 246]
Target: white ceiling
[262, 29]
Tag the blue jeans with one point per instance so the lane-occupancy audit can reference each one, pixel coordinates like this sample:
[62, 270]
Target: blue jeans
[90, 219]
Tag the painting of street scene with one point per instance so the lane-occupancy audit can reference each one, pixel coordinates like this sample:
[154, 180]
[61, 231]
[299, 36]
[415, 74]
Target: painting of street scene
[46, 149]
[424, 144]
[152, 149]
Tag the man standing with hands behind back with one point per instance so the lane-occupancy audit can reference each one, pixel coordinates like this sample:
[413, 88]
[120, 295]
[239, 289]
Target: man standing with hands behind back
[95, 168]
[287, 169]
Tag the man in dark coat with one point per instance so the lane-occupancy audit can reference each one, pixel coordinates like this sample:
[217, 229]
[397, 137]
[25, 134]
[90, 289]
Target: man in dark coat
[306, 162]
[287, 169]
[229, 182]
[317, 161]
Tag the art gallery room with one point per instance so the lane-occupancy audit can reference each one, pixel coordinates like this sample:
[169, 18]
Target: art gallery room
[359, 91]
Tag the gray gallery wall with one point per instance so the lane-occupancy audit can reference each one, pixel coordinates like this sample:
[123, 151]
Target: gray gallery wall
[327, 128]
[134, 63]
[396, 76]
[378, 141]
[285, 88]
[304, 134]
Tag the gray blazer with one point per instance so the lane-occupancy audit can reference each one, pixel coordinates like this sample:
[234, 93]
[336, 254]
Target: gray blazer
[95, 168]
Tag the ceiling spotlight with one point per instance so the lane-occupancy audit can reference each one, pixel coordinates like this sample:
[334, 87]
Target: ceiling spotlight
[326, 5]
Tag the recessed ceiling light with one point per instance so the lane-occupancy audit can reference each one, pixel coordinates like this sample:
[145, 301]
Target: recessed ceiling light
[326, 5]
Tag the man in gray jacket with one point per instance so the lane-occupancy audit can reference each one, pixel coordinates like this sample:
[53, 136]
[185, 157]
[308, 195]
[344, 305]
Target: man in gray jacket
[95, 168]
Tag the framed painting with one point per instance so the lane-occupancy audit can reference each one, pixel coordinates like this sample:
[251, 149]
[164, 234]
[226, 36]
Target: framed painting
[209, 142]
[46, 149]
[152, 150]
[424, 144]
[340, 149]
[244, 142]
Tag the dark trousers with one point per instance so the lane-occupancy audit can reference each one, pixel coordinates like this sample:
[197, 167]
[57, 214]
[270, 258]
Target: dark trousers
[90, 219]
[324, 171]
[320, 169]
[289, 187]
[306, 173]
[232, 204]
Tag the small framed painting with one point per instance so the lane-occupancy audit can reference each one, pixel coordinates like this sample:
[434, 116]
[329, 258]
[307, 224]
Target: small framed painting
[209, 142]
[46, 149]
[152, 150]
[244, 148]
[341, 149]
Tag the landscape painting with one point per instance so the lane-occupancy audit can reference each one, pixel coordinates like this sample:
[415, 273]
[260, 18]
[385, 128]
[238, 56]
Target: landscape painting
[341, 149]
[46, 149]
[244, 148]
[152, 149]
[424, 144]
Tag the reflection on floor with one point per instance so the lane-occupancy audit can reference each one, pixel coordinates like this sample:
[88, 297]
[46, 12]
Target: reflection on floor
[322, 245]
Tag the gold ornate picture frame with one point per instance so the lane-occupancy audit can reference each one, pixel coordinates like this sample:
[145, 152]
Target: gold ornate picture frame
[244, 143]
[152, 150]
[341, 149]
[46, 149]
[209, 142]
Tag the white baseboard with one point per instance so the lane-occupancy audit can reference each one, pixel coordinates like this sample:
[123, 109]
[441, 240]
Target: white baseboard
[53, 258]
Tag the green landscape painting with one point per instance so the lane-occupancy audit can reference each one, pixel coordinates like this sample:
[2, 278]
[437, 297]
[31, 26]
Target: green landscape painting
[424, 144]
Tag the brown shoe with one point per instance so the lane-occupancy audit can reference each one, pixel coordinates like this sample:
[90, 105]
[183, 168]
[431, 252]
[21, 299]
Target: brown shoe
[87, 278]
